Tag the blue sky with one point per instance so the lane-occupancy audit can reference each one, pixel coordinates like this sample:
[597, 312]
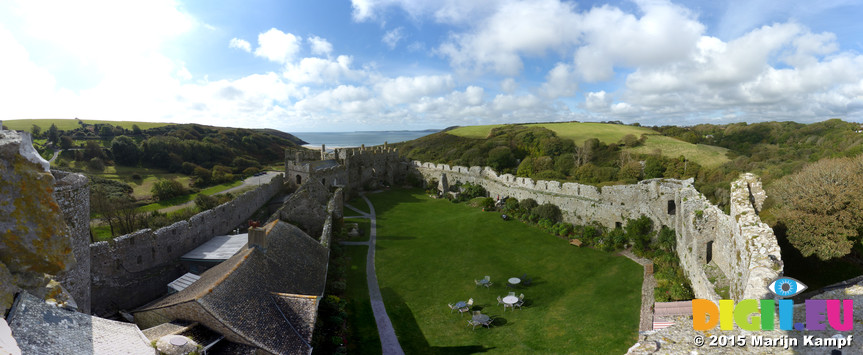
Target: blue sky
[403, 64]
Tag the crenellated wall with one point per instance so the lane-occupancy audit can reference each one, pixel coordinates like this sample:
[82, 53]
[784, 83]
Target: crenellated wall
[72, 193]
[135, 268]
[743, 247]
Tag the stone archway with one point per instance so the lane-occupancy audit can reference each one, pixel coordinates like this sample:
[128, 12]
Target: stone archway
[299, 180]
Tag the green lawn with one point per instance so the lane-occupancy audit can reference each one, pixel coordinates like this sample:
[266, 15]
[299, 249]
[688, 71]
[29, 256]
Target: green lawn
[70, 124]
[430, 251]
[578, 132]
[359, 204]
[363, 337]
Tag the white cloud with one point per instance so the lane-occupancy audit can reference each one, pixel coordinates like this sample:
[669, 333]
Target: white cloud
[560, 82]
[444, 11]
[320, 46]
[405, 89]
[278, 46]
[392, 37]
[240, 44]
[515, 29]
[665, 32]
[322, 71]
[508, 85]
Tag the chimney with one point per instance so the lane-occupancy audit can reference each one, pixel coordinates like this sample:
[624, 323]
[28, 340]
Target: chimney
[258, 238]
[323, 152]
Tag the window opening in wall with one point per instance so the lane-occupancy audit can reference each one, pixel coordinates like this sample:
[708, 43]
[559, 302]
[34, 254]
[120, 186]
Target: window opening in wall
[324, 182]
[299, 180]
[139, 259]
[672, 208]
[618, 225]
[708, 256]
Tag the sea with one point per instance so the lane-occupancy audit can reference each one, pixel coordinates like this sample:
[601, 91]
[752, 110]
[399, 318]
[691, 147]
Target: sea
[358, 138]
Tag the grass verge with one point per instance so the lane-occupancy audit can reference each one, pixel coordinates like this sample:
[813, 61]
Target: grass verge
[363, 331]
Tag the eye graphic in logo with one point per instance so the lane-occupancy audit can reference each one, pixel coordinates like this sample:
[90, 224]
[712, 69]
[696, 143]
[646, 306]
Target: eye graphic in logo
[786, 287]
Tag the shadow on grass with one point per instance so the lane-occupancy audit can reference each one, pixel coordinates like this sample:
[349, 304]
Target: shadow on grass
[409, 333]
[385, 202]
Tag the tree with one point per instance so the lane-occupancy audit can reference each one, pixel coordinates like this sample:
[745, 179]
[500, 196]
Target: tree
[653, 168]
[126, 151]
[53, 134]
[136, 130]
[92, 149]
[36, 131]
[822, 207]
[500, 158]
[630, 140]
[547, 211]
[206, 202]
[66, 142]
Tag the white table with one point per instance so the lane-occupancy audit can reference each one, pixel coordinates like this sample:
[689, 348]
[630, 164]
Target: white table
[510, 300]
[514, 281]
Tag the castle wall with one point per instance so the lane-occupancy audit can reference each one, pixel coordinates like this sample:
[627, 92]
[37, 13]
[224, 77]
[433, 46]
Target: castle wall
[743, 247]
[135, 268]
[73, 196]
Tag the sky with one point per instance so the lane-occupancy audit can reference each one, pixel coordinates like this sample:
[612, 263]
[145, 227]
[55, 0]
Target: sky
[336, 66]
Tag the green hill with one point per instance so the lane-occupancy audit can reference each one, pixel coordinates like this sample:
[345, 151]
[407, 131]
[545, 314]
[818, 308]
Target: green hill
[68, 124]
[578, 132]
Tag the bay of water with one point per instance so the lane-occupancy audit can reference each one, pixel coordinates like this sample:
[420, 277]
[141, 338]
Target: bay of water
[356, 139]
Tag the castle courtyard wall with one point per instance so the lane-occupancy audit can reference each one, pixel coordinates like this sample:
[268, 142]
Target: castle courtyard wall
[135, 268]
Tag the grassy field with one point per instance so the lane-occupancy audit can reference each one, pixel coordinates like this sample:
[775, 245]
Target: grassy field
[363, 338]
[70, 124]
[704, 155]
[212, 190]
[141, 188]
[430, 251]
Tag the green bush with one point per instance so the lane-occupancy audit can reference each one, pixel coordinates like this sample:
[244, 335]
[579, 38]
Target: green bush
[527, 204]
[96, 164]
[205, 202]
[488, 204]
[511, 204]
[167, 189]
[547, 211]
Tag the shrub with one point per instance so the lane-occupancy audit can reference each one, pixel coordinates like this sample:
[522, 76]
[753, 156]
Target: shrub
[511, 204]
[527, 204]
[136, 177]
[251, 171]
[167, 189]
[470, 191]
[488, 204]
[205, 202]
[547, 211]
[96, 164]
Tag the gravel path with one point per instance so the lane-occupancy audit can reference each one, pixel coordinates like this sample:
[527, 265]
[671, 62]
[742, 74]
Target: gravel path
[647, 287]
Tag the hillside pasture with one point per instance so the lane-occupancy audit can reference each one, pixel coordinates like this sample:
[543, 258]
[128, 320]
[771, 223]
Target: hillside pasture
[578, 132]
[70, 124]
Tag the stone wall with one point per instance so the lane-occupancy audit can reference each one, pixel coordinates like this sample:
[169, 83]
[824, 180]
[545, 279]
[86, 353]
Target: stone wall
[743, 247]
[135, 268]
[72, 193]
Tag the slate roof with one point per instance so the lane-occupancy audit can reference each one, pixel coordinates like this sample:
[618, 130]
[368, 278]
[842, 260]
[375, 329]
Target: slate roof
[183, 281]
[44, 329]
[245, 293]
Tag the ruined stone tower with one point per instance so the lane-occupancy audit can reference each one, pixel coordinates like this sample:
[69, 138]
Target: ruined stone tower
[73, 196]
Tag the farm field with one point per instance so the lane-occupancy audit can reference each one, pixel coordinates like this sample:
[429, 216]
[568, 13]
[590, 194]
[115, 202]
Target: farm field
[429, 252]
[578, 132]
[70, 124]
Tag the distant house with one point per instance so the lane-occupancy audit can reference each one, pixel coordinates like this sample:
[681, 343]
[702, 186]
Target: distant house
[264, 297]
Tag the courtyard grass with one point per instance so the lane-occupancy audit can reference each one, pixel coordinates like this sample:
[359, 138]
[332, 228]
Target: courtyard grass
[430, 251]
[363, 332]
